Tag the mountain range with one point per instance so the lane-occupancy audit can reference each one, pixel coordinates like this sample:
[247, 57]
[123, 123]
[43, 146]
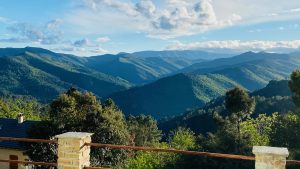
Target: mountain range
[206, 80]
[44, 74]
[157, 83]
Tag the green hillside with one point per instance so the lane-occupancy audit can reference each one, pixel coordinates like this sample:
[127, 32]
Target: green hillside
[272, 98]
[44, 74]
[172, 95]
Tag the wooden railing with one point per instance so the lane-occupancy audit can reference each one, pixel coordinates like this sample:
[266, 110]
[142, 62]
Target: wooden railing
[148, 149]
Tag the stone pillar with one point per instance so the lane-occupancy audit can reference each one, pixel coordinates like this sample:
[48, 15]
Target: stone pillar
[72, 154]
[270, 157]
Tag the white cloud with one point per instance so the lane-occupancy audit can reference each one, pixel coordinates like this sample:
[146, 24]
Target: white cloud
[103, 39]
[237, 46]
[146, 7]
[175, 18]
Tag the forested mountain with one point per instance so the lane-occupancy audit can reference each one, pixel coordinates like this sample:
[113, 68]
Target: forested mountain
[43, 74]
[207, 81]
[147, 66]
[172, 95]
[251, 70]
[269, 99]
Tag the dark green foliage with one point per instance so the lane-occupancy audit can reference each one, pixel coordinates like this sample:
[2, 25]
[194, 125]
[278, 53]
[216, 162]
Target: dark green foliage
[42, 151]
[239, 104]
[11, 107]
[294, 86]
[269, 105]
[200, 120]
[143, 130]
[274, 88]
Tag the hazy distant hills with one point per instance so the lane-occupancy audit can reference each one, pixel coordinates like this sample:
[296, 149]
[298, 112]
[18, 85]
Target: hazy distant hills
[147, 66]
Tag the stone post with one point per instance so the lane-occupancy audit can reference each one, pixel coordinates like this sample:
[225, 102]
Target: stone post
[270, 157]
[72, 154]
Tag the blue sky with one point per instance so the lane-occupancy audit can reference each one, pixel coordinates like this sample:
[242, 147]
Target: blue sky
[93, 27]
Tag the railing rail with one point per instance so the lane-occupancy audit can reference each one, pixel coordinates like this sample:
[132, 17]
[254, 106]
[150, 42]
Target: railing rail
[28, 140]
[138, 148]
[194, 153]
[29, 162]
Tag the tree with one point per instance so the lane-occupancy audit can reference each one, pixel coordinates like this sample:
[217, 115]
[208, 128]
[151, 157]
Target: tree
[143, 130]
[259, 129]
[42, 151]
[181, 139]
[75, 111]
[294, 85]
[11, 107]
[240, 106]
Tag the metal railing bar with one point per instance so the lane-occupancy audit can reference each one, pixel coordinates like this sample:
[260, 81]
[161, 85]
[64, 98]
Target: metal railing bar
[292, 161]
[96, 168]
[28, 140]
[194, 153]
[29, 162]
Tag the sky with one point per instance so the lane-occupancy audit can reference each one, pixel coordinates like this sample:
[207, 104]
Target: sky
[95, 27]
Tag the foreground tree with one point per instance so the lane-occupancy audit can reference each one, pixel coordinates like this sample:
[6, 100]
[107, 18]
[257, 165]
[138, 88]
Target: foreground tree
[143, 130]
[239, 107]
[294, 85]
[81, 112]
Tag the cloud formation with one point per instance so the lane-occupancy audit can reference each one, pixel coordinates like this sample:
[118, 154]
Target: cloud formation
[24, 32]
[238, 46]
[176, 18]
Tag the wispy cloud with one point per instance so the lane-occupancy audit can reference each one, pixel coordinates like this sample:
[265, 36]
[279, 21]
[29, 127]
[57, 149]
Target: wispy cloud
[24, 32]
[103, 39]
[237, 46]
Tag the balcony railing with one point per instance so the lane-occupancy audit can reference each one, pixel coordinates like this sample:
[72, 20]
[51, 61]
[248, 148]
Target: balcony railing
[66, 139]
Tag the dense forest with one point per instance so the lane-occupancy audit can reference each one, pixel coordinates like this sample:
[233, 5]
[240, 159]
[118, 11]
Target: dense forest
[232, 124]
